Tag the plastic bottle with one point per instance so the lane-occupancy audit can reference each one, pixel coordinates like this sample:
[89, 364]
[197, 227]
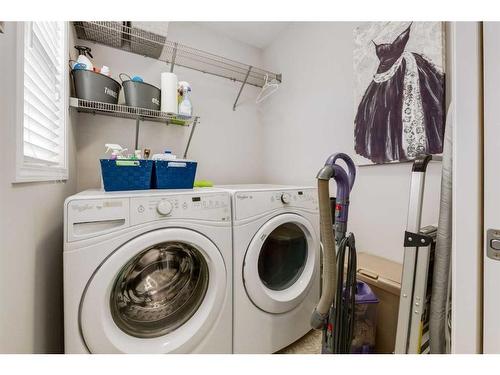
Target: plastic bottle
[185, 106]
[83, 51]
[116, 151]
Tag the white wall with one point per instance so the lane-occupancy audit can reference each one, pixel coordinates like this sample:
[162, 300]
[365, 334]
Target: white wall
[226, 144]
[31, 238]
[311, 116]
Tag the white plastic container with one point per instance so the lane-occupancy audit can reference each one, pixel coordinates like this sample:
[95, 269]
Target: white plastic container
[167, 155]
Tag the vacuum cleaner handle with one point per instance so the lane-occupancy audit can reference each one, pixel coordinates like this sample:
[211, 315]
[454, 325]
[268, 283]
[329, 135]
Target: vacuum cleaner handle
[345, 182]
[332, 159]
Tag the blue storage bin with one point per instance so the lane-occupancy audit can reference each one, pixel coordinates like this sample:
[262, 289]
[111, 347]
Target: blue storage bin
[136, 176]
[174, 174]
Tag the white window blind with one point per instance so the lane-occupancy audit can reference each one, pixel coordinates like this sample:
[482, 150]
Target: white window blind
[44, 106]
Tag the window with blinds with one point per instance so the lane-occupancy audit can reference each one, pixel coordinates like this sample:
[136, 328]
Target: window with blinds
[44, 109]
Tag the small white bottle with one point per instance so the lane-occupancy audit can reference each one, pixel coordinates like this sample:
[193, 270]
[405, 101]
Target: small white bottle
[185, 106]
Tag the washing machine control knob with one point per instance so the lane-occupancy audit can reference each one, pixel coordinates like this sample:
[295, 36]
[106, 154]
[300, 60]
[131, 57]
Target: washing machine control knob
[164, 207]
[286, 198]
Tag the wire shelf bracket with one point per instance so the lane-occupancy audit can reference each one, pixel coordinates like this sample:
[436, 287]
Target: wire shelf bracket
[190, 137]
[241, 88]
[172, 63]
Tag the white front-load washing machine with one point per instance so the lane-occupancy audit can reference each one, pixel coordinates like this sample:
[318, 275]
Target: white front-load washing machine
[276, 257]
[148, 272]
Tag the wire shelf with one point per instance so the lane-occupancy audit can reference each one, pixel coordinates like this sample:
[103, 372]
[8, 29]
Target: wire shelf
[131, 39]
[124, 111]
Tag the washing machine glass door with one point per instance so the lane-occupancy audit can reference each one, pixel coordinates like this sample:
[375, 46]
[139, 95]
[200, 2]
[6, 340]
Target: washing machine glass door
[158, 293]
[280, 263]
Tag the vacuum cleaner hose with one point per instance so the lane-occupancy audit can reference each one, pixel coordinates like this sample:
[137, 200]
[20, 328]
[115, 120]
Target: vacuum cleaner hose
[345, 298]
[321, 311]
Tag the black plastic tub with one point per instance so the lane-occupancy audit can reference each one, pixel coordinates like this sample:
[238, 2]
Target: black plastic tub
[141, 94]
[94, 86]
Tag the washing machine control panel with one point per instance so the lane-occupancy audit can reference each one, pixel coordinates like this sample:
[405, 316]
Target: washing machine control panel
[253, 203]
[212, 207]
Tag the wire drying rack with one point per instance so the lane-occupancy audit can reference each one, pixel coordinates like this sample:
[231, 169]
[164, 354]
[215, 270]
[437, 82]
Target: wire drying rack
[121, 35]
[124, 111]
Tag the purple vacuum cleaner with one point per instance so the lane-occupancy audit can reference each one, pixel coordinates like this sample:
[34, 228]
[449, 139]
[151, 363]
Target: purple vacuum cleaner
[334, 314]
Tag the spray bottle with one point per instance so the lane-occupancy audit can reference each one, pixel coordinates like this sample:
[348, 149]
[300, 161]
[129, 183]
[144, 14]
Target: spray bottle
[116, 151]
[83, 52]
[185, 106]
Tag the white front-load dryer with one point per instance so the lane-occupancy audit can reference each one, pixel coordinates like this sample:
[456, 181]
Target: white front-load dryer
[276, 257]
[148, 272]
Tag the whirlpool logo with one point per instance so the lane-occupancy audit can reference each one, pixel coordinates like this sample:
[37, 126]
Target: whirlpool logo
[244, 196]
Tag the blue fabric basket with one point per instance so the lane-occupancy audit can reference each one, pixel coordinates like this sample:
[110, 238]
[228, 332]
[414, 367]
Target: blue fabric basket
[134, 177]
[174, 174]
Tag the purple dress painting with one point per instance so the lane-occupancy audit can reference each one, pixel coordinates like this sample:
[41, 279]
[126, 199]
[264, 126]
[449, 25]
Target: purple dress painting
[401, 113]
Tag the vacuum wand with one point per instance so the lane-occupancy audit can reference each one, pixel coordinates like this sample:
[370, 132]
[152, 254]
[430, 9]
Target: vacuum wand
[326, 312]
[327, 233]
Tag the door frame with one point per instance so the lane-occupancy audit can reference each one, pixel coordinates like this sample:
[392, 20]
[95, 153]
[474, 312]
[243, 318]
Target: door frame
[465, 53]
[491, 276]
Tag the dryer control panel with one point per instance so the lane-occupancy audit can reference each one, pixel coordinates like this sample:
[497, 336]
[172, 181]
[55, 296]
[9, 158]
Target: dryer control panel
[211, 207]
[252, 203]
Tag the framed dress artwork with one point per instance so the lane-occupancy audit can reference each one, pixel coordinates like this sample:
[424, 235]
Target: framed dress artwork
[399, 91]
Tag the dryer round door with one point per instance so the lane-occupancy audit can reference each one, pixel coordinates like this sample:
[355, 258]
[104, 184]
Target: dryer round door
[280, 262]
[161, 292]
